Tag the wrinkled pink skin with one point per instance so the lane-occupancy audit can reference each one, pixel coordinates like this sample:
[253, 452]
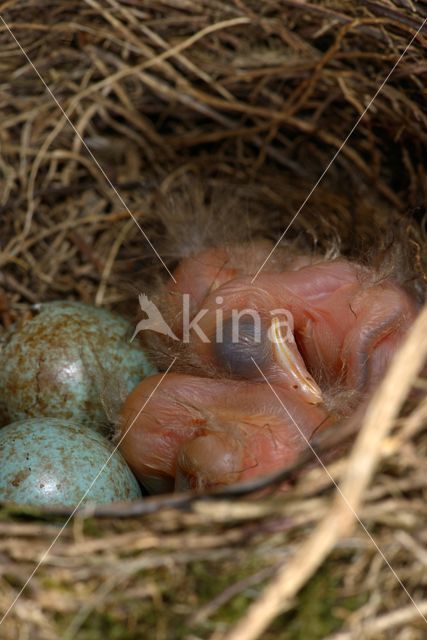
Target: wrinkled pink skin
[202, 432]
[197, 432]
[345, 329]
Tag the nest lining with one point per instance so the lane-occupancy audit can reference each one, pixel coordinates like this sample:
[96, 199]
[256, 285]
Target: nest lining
[179, 101]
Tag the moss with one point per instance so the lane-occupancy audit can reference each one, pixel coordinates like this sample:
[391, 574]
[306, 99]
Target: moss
[319, 611]
[131, 620]
[92, 528]
[182, 591]
[320, 608]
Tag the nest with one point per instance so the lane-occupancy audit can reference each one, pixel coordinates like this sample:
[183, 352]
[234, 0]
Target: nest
[115, 112]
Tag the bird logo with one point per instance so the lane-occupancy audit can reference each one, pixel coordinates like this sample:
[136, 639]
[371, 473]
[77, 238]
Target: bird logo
[154, 320]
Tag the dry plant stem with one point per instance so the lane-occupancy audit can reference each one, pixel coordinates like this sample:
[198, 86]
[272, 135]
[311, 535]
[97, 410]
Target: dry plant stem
[110, 261]
[367, 450]
[370, 628]
[250, 104]
[416, 549]
[413, 424]
[230, 592]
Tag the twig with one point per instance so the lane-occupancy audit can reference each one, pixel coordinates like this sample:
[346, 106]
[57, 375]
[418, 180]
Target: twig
[370, 628]
[231, 592]
[378, 421]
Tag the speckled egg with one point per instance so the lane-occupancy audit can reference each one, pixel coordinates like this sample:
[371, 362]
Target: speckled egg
[71, 361]
[46, 461]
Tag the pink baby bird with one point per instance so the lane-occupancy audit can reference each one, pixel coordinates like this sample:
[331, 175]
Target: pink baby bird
[270, 362]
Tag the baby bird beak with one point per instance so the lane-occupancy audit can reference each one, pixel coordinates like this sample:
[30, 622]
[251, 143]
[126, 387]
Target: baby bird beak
[289, 359]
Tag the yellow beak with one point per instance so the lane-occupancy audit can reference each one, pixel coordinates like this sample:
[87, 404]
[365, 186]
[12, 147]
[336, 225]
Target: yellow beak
[290, 360]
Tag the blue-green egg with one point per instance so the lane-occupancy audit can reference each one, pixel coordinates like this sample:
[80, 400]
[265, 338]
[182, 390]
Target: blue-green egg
[51, 462]
[71, 361]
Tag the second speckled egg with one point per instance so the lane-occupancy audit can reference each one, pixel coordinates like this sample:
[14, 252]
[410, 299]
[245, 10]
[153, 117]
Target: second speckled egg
[45, 461]
[70, 361]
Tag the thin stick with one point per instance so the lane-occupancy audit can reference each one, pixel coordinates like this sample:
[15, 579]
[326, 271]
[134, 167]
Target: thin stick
[370, 628]
[378, 421]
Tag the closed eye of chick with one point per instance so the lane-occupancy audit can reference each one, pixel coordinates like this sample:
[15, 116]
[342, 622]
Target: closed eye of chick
[321, 331]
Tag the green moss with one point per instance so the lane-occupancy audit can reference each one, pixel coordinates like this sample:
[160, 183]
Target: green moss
[319, 609]
[92, 528]
[183, 590]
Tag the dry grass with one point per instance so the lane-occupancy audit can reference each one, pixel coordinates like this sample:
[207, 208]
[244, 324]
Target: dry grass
[250, 99]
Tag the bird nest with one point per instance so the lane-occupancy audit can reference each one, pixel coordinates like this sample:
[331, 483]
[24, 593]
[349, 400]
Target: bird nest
[122, 116]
